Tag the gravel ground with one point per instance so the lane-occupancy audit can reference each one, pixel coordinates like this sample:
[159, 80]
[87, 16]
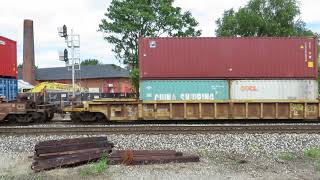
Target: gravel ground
[243, 156]
[114, 124]
[245, 144]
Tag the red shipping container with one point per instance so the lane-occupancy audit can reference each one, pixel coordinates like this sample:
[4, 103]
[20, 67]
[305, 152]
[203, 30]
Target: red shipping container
[228, 58]
[8, 58]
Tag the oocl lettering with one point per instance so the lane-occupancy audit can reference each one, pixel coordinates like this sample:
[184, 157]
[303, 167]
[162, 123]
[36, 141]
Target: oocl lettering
[248, 88]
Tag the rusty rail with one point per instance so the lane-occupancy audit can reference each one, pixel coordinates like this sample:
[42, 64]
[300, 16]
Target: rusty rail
[72, 152]
[62, 153]
[161, 129]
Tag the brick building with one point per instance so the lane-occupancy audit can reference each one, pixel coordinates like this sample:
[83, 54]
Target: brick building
[106, 78]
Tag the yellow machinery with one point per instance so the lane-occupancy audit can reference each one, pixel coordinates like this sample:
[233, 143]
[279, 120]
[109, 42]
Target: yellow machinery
[49, 86]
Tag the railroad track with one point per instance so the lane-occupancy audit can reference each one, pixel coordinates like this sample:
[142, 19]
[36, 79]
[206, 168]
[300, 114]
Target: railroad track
[159, 129]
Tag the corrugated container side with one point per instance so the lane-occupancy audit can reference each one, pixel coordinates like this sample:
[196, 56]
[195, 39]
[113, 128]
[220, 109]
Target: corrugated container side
[274, 89]
[8, 58]
[184, 90]
[8, 88]
[228, 58]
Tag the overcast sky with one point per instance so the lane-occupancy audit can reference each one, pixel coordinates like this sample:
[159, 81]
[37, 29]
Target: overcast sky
[84, 17]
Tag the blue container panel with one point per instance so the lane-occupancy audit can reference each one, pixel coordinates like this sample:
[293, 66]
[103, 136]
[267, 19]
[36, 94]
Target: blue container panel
[8, 88]
[3, 87]
[184, 90]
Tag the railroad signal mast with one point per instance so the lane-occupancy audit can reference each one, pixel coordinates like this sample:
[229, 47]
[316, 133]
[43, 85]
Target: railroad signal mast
[73, 43]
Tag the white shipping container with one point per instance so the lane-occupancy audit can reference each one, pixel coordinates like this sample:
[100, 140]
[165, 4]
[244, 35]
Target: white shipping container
[274, 89]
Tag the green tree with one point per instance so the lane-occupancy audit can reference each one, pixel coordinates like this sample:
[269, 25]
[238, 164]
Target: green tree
[263, 18]
[128, 20]
[134, 76]
[89, 62]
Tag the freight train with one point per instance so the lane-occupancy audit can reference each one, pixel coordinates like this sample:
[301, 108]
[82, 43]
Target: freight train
[14, 107]
[26, 110]
[41, 107]
[213, 78]
[132, 110]
[218, 78]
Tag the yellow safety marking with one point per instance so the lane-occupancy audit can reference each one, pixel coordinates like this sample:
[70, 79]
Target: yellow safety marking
[310, 64]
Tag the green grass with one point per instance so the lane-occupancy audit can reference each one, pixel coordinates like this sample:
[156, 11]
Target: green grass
[312, 153]
[95, 168]
[286, 156]
[317, 166]
[33, 176]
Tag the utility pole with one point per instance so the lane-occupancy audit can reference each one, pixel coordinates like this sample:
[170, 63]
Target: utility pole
[72, 64]
[73, 43]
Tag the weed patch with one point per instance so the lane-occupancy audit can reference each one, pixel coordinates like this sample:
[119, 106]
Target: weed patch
[317, 166]
[95, 168]
[312, 153]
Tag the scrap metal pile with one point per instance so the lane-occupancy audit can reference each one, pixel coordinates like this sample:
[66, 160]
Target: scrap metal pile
[71, 152]
[68, 152]
[142, 157]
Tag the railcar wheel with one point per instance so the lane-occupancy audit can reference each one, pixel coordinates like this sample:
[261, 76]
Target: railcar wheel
[39, 117]
[75, 117]
[11, 119]
[24, 118]
[49, 116]
[88, 117]
[101, 117]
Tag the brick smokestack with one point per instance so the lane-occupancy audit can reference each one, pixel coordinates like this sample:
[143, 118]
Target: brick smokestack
[28, 69]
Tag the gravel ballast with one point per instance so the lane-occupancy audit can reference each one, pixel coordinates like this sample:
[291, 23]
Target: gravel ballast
[221, 154]
[246, 144]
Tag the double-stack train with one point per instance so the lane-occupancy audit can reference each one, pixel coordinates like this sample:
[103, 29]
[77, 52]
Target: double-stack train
[200, 79]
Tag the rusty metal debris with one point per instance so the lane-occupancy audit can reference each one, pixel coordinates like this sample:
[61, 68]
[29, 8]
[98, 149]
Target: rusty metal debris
[71, 152]
[71, 145]
[144, 157]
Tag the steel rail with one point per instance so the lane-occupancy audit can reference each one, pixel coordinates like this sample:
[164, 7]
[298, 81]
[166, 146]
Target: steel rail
[161, 129]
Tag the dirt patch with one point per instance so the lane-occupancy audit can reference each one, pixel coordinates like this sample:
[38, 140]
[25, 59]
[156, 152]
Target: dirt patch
[213, 165]
[15, 164]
